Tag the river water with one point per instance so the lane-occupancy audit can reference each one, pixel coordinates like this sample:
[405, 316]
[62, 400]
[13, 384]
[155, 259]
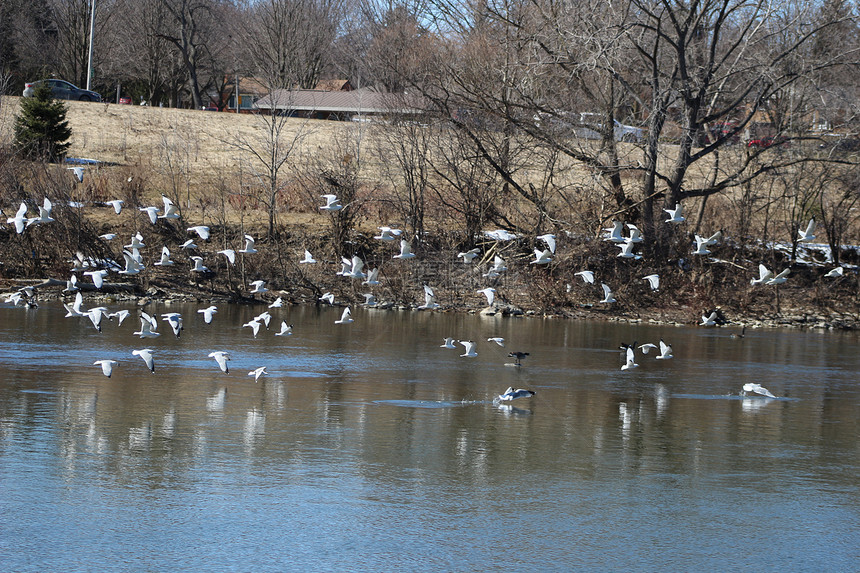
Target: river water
[368, 447]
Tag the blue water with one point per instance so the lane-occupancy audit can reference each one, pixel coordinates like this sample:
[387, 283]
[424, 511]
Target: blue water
[369, 448]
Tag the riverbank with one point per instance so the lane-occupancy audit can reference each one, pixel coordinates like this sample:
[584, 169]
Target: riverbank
[808, 300]
[191, 157]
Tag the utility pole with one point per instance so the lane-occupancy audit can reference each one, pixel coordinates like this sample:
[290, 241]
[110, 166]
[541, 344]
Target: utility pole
[90, 57]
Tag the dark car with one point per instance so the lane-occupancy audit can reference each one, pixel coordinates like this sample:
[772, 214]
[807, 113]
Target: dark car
[61, 89]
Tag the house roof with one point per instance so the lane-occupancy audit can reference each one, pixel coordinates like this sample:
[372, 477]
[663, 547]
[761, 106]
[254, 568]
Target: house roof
[365, 100]
[333, 85]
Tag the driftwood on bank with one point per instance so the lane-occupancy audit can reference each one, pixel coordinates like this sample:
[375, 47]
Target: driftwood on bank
[106, 287]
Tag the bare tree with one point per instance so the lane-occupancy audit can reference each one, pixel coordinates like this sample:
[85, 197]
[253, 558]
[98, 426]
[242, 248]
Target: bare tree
[278, 141]
[289, 39]
[190, 29]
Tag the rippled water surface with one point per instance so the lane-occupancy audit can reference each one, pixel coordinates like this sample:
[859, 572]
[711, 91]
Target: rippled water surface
[368, 447]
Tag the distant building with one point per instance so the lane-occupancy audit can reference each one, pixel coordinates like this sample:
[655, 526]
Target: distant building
[363, 104]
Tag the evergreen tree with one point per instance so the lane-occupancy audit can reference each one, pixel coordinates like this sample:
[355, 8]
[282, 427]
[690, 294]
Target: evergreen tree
[41, 130]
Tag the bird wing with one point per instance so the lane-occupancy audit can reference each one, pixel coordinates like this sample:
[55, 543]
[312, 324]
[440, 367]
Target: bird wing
[468, 345]
[712, 240]
[550, 241]
[764, 273]
[230, 254]
[631, 357]
[606, 290]
[782, 274]
[810, 228]
[665, 349]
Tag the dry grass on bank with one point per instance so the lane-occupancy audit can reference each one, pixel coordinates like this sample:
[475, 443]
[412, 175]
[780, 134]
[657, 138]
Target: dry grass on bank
[188, 155]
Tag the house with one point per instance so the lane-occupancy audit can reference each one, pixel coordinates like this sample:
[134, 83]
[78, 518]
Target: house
[250, 90]
[353, 105]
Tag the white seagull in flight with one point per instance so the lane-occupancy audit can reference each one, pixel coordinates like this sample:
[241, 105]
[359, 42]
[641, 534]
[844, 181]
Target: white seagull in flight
[146, 354]
[221, 358]
[107, 366]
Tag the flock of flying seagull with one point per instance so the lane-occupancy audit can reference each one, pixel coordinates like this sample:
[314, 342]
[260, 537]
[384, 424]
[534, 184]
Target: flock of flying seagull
[351, 268]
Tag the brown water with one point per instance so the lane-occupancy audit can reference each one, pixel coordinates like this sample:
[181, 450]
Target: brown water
[370, 448]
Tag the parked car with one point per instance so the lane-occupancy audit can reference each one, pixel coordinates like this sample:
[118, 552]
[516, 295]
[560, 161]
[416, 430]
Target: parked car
[764, 142]
[61, 89]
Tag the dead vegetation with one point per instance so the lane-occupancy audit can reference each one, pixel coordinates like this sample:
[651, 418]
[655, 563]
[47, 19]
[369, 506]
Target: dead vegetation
[443, 206]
